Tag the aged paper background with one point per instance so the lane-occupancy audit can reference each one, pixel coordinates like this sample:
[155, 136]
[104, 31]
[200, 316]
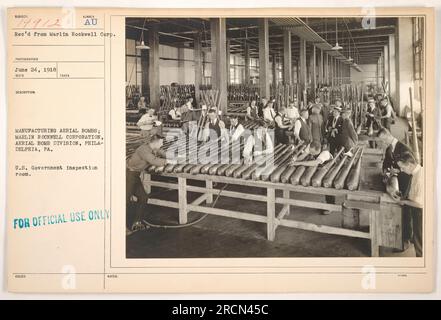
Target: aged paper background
[97, 257]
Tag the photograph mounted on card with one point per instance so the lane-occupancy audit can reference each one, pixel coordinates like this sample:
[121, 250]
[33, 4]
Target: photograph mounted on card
[217, 150]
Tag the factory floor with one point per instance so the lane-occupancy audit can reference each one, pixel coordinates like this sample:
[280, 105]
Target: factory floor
[221, 237]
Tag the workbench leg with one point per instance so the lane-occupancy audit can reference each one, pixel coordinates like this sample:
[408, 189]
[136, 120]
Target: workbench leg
[146, 178]
[182, 192]
[287, 195]
[375, 249]
[271, 213]
[209, 186]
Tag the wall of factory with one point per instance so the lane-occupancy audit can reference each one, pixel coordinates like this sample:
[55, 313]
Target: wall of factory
[176, 65]
[170, 69]
[368, 75]
[405, 66]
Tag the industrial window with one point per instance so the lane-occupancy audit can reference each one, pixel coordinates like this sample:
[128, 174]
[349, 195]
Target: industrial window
[237, 69]
[418, 43]
[133, 64]
[254, 70]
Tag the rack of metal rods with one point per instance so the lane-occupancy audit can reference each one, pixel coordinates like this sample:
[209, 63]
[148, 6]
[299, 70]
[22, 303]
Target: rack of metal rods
[242, 92]
[283, 94]
[238, 108]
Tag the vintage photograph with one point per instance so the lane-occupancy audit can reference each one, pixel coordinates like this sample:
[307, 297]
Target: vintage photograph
[275, 137]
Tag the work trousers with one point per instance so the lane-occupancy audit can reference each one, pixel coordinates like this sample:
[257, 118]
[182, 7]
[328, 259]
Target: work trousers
[281, 136]
[334, 145]
[135, 211]
[386, 122]
[416, 216]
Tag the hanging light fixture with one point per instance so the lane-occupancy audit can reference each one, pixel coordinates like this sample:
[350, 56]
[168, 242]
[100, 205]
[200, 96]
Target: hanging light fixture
[350, 58]
[337, 46]
[354, 64]
[142, 46]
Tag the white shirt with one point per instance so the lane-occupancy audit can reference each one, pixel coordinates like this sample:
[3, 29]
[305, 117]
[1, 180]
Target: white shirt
[279, 120]
[251, 141]
[416, 191]
[174, 114]
[334, 121]
[237, 132]
[292, 113]
[269, 114]
[146, 122]
[298, 126]
[393, 144]
[324, 156]
[388, 111]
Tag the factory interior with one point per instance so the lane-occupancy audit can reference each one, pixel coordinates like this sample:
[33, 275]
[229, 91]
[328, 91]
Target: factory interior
[192, 83]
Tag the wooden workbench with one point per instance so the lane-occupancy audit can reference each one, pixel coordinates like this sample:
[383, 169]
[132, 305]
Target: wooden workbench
[370, 203]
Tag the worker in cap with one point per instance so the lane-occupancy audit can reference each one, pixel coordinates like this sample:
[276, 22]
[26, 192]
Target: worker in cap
[333, 129]
[147, 123]
[387, 113]
[215, 127]
[236, 128]
[148, 153]
[373, 116]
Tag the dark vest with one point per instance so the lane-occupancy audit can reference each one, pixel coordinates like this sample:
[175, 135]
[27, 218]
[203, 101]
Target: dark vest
[215, 127]
[254, 112]
[260, 108]
[305, 131]
[280, 133]
[240, 141]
